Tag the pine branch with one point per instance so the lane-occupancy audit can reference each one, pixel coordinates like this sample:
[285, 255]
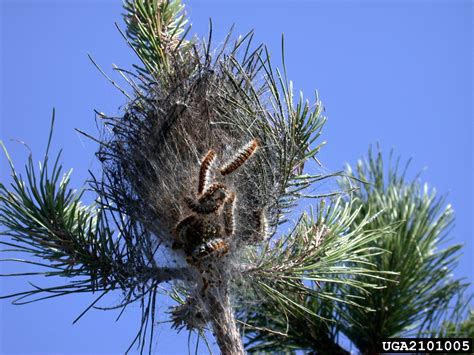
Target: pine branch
[322, 252]
[425, 288]
[45, 220]
[417, 300]
[156, 31]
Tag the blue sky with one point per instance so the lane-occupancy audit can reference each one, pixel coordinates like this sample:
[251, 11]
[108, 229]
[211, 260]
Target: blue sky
[394, 72]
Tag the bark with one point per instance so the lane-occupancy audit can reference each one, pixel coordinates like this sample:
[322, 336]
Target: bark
[222, 318]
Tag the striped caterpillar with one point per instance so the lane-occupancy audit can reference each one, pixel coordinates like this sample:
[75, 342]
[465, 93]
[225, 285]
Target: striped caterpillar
[239, 158]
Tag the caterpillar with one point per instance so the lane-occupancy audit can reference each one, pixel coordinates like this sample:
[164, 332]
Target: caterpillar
[239, 158]
[206, 164]
[229, 214]
[210, 201]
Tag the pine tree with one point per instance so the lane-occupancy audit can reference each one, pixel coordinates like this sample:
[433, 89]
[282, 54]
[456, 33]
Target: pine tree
[200, 178]
[422, 300]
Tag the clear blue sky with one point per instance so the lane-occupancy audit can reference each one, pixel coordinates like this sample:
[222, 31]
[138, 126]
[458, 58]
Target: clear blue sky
[395, 72]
